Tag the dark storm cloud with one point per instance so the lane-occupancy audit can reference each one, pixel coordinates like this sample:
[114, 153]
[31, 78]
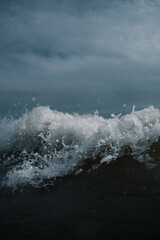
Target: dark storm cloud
[49, 44]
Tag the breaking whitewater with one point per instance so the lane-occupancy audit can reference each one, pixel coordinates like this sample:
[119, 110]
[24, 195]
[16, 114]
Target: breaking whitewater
[44, 144]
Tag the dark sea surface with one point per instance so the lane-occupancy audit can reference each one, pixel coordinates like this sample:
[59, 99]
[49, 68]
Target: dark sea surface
[89, 175]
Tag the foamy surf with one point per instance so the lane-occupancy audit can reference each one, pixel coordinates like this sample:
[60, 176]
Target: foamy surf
[44, 144]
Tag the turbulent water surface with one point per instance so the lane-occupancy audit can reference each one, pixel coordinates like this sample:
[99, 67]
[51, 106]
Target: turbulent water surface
[44, 144]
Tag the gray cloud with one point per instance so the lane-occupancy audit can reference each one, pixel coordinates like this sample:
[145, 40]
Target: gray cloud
[56, 44]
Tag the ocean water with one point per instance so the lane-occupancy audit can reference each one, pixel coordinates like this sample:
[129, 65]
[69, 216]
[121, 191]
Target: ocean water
[77, 170]
[41, 143]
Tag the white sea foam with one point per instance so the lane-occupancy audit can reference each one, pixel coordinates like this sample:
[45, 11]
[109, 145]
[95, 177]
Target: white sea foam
[45, 144]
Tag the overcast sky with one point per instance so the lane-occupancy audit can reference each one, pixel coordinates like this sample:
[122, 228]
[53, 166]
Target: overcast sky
[48, 44]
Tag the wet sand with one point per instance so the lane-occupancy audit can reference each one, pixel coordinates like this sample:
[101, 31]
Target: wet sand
[116, 201]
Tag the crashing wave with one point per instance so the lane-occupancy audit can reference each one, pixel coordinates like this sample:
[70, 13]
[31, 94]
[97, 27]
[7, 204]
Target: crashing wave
[44, 144]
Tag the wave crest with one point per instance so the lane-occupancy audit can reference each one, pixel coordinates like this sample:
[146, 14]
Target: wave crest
[44, 144]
